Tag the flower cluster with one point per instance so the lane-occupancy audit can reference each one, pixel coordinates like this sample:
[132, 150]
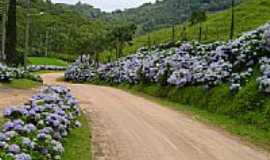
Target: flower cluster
[267, 38]
[264, 80]
[239, 79]
[37, 129]
[7, 74]
[34, 68]
[81, 70]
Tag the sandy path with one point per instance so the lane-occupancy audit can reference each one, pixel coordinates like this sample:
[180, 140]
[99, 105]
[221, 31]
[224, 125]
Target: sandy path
[10, 97]
[127, 127]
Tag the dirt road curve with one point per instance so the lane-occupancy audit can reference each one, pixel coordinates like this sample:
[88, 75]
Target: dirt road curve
[127, 127]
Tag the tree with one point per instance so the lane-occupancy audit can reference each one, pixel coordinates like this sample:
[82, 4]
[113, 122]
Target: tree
[120, 36]
[11, 40]
[92, 40]
[198, 17]
[232, 21]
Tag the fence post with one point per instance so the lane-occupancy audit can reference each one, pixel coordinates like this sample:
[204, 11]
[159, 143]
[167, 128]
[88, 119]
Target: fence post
[173, 33]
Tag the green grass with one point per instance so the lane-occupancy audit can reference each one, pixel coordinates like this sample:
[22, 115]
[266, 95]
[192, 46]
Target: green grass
[21, 84]
[249, 15]
[46, 71]
[1, 121]
[78, 142]
[247, 132]
[47, 61]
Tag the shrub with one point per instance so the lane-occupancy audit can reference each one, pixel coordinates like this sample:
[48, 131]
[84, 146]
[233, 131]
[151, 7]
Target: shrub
[36, 130]
[247, 100]
[219, 99]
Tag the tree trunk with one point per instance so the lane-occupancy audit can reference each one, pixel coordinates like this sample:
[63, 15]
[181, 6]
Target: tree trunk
[3, 56]
[97, 59]
[46, 43]
[11, 40]
[173, 33]
[121, 49]
[149, 43]
[116, 51]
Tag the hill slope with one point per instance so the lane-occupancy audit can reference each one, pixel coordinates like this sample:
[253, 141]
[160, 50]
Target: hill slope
[164, 13]
[249, 15]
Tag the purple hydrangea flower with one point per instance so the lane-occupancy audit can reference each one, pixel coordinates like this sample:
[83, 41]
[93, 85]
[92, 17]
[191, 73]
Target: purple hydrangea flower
[8, 126]
[2, 136]
[11, 134]
[28, 143]
[8, 111]
[78, 124]
[14, 148]
[30, 128]
[23, 156]
[3, 145]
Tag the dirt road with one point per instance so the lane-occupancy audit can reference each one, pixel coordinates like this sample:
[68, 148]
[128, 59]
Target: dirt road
[127, 127]
[10, 97]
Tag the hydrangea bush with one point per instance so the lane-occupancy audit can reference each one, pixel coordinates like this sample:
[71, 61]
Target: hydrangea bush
[36, 130]
[81, 70]
[7, 74]
[188, 63]
[267, 38]
[34, 68]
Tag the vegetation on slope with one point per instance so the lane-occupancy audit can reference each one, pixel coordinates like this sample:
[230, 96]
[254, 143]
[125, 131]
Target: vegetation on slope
[248, 15]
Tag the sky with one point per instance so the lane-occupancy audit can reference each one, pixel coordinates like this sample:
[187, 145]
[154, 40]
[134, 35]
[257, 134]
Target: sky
[109, 5]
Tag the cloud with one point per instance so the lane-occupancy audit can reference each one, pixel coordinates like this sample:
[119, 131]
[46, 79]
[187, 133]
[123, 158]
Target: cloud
[109, 5]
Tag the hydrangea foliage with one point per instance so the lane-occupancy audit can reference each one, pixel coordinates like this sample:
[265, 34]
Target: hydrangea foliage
[81, 70]
[34, 68]
[37, 129]
[190, 63]
[7, 74]
[267, 38]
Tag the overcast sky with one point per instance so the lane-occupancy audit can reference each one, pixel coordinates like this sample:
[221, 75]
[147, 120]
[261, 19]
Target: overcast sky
[109, 5]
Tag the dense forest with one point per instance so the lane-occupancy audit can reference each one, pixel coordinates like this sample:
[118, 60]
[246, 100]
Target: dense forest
[59, 30]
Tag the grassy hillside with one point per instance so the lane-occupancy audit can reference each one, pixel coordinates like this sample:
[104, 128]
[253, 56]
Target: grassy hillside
[152, 16]
[47, 61]
[249, 15]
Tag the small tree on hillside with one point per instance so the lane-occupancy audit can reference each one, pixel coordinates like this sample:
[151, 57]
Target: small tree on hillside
[119, 36]
[92, 41]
